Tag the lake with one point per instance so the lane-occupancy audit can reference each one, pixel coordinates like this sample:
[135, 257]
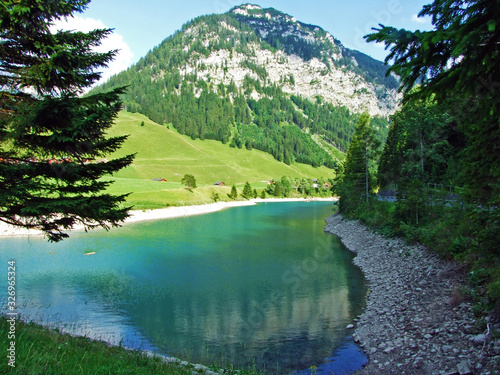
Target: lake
[256, 286]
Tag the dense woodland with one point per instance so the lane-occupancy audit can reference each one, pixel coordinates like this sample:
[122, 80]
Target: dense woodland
[277, 123]
[441, 159]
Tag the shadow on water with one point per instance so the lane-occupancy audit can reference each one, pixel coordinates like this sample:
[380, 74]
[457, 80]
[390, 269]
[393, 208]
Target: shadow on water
[346, 359]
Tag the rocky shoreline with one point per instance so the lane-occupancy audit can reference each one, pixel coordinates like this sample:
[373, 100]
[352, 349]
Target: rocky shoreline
[415, 321]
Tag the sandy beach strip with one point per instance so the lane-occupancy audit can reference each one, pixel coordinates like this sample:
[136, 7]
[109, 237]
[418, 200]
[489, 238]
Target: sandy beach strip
[167, 213]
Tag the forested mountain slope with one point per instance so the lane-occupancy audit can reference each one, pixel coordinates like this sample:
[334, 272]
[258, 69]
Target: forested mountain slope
[258, 78]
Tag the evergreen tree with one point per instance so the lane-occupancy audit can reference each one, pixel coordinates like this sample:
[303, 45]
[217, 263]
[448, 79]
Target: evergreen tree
[49, 137]
[421, 152]
[392, 154]
[278, 191]
[247, 191]
[421, 145]
[234, 193]
[359, 171]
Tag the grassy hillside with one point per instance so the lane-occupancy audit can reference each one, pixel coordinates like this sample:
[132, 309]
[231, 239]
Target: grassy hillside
[164, 153]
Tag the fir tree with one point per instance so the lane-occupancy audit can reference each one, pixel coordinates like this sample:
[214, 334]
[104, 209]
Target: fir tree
[50, 139]
[247, 191]
[234, 193]
[278, 192]
[359, 174]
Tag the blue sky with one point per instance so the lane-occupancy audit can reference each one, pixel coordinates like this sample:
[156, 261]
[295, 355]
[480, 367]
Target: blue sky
[142, 25]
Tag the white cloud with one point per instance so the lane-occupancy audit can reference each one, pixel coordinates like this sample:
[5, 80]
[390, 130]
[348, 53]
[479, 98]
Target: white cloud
[124, 57]
[421, 20]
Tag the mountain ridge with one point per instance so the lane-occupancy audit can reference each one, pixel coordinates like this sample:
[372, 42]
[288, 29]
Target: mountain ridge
[257, 77]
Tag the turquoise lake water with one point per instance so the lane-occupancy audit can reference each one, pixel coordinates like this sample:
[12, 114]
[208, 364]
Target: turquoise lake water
[258, 285]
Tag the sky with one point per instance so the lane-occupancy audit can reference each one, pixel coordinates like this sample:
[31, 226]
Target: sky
[139, 26]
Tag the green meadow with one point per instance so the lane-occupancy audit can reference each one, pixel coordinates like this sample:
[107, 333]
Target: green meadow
[163, 153]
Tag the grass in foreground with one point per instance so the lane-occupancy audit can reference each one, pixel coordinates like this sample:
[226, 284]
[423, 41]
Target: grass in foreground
[40, 350]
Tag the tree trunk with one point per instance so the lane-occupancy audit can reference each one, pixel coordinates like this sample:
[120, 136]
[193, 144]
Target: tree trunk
[421, 151]
[366, 173]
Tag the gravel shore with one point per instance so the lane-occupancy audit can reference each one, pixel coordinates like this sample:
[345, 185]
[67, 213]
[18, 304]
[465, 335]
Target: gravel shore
[415, 321]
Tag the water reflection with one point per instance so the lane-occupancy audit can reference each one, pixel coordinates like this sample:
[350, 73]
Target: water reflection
[251, 285]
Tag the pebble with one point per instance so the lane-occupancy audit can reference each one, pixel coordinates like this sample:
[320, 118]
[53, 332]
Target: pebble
[410, 307]
[479, 339]
[464, 368]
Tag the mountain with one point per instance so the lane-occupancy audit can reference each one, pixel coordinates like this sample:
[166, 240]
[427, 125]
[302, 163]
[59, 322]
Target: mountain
[258, 78]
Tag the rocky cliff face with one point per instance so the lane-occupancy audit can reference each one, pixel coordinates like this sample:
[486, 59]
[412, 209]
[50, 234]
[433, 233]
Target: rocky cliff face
[308, 62]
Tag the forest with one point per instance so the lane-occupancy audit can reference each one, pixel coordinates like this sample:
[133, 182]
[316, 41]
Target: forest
[435, 181]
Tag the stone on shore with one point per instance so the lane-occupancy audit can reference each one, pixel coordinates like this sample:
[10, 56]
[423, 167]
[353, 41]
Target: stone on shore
[464, 368]
[412, 323]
